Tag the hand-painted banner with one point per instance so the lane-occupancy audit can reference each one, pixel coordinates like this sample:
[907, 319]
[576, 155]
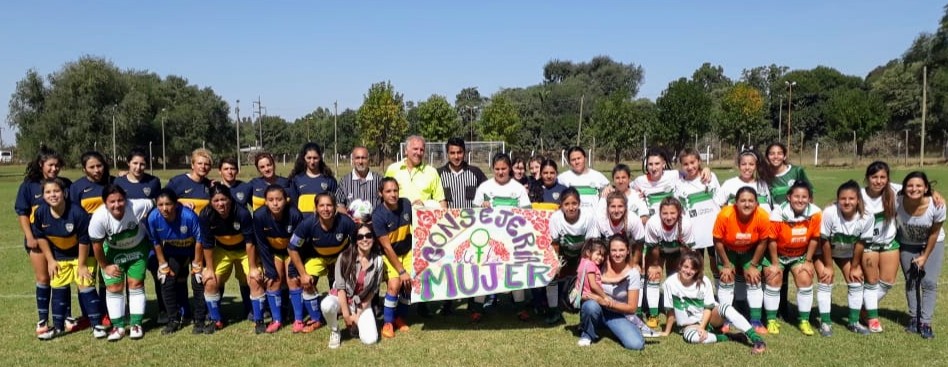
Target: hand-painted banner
[461, 253]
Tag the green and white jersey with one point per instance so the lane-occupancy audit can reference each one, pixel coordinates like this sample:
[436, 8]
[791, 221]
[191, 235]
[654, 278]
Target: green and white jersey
[702, 204]
[511, 194]
[571, 236]
[884, 232]
[843, 234]
[589, 184]
[730, 186]
[120, 234]
[913, 230]
[669, 240]
[783, 181]
[689, 302]
[655, 191]
[631, 227]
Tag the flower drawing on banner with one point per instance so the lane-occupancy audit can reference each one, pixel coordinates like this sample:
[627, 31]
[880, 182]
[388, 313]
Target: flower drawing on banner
[459, 251]
[419, 264]
[426, 218]
[455, 213]
[550, 259]
[421, 235]
[544, 241]
[499, 249]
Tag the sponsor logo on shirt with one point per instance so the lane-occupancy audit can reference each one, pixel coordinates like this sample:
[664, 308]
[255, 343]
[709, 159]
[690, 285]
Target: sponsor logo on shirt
[302, 186]
[86, 190]
[188, 191]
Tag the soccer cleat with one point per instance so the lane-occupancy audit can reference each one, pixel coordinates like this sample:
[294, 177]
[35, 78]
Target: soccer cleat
[51, 333]
[523, 315]
[926, 331]
[260, 327]
[198, 328]
[858, 329]
[648, 332]
[875, 326]
[652, 322]
[99, 331]
[298, 326]
[759, 347]
[136, 332]
[773, 327]
[826, 329]
[388, 331]
[758, 327]
[311, 326]
[81, 323]
[335, 339]
[41, 327]
[171, 327]
[273, 327]
[401, 325]
[213, 326]
[806, 328]
[116, 334]
[584, 342]
[476, 317]
[737, 337]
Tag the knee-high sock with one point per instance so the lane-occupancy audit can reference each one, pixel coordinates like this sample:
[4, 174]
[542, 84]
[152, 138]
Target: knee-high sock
[388, 313]
[805, 302]
[403, 303]
[884, 288]
[136, 306]
[330, 307]
[276, 305]
[311, 303]
[245, 298]
[60, 299]
[296, 299]
[755, 299]
[691, 335]
[519, 296]
[115, 304]
[553, 295]
[213, 301]
[652, 294]
[43, 292]
[854, 296]
[771, 301]
[726, 293]
[90, 298]
[870, 298]
[730, 313]
[824, 301]
[256, 305]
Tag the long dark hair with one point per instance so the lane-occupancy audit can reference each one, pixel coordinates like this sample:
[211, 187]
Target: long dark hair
[917, 174]
[85, 157]
[300, 165]
[697, 262]
[220, 189]
[768, 173]
[854, 187]
[888, 196]
[656, 152]
[349, 258]
[34, 169]
[672, 201]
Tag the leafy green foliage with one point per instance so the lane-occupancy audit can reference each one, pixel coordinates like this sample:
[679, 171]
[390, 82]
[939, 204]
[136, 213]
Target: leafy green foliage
[685, 110]
[381, 119]
[436, 119]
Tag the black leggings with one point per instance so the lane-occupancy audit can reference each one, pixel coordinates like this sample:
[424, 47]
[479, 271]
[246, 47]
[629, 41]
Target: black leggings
[181, 267]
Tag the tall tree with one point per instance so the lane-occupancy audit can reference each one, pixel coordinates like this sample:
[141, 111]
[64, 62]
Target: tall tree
[437, 120]
[855, 111]
[500, 121]
[742, 109]
[381, 119]
[685, 107]
[614, 125]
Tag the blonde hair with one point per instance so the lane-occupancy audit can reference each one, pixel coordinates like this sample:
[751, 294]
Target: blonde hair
[202, 153]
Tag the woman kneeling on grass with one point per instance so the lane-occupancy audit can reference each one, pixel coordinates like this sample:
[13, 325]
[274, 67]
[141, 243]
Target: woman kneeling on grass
[358, 275]
[689, 303]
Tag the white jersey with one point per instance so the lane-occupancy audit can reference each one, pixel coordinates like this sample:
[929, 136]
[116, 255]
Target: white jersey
[702, 204]
[511, 194]
[120, 234]
[589, 184]
[668, 240]
[655, 191]
[729, 191]
[884, 232]
[914, 230]
[631, 227]
[843, 234]
[571, 236]
[689, 302]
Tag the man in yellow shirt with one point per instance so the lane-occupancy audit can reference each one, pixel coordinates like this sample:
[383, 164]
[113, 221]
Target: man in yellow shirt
[417, 181]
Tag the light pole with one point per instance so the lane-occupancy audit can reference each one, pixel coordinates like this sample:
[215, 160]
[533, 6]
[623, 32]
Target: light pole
[237, 111]
[789, 106]
[335, 132]
[780, 119]
[113, 136]
[164, 158]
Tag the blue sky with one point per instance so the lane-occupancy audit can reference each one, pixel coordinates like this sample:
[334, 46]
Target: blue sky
[299, 55]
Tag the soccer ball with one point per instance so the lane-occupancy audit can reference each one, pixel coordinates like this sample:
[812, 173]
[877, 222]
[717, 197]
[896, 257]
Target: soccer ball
[360, 208]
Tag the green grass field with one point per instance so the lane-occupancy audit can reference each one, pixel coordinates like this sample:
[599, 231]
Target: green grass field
[499, 340]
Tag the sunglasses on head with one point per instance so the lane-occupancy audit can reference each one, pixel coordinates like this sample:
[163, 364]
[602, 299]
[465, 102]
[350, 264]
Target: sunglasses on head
[364, 236]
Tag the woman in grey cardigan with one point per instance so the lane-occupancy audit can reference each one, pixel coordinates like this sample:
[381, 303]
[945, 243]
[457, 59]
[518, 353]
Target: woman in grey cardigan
[358, 272]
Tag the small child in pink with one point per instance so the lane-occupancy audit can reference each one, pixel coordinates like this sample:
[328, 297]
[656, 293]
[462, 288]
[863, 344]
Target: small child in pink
[594, 252]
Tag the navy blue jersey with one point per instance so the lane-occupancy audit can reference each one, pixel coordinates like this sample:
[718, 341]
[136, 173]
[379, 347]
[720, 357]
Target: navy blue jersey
[64, 233]
[190, 192]
[232, 233]
[325, 243]
[30, 196]
[177, 237]
[273, 236]
[303, 191]
[240, 193]
[552, 194]
[259, 188]
[394, 224]
[88, 194]
[146, 188]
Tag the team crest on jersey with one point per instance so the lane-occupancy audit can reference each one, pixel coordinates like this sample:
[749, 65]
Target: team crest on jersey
[184, 229]
[556, 196]
[236, 226]
[289, 229]
[405, 217]
[240, 196]
[338, 236]
[147, 191]
[207, 190]
[324, 185]
[69, 227]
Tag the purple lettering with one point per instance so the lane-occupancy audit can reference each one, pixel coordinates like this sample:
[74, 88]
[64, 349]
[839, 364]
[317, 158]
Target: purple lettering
[536, 275]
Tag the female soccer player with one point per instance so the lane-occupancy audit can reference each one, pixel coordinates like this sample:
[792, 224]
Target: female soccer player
[310, 176]
[87, 191]
[780, 175]
[534, 166]
[570, 226]
[922, 240]
[229, 246]
[658, 182]
[273, 226]
[501, 191]
[175, 231]
[622, 183]
[667, 234]
[46, 165]
[121, 246]
[358, 276]
[545, 192]
[61, 232]
[845, 231]
[616, 219]
[391, 222]
[747, 168]
[519, 168]
[314, 247]
[587, 181]
[701, 202]
[229, 171]
[741, 236]
[796, 227]
[193, 189]
[267, 168]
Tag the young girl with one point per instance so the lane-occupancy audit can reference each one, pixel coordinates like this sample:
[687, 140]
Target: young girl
[796, 227]
[310, 176]
[594, 252]
[569, 227]
[666, 236]
[922, 238]
[741, 235]
[358, 276]
[689, 303]
[621, 183]
[747, 168]
[273, 226]
[501, 191]
[61, 232]
[587, 181]
[545, 192]
[845, 231]
[391, 222]
[265, 166]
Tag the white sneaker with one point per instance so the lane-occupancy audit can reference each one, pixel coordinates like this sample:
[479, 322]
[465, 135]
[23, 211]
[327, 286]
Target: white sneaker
[99, 332]
[335, 339]
[648, 332]
[71, 325]
[136, 332]
[584, 342]
[116, 334]
[50, 334]
[42, 327]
